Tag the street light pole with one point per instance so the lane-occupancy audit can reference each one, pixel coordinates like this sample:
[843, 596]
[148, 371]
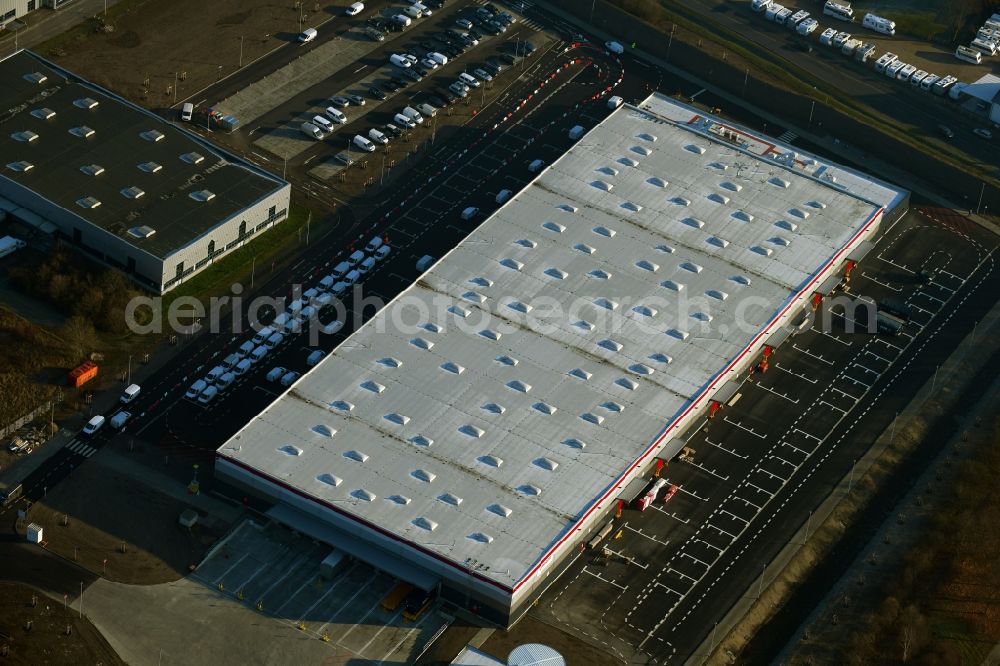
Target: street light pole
[981, 191]
[592, 4]
[241, 51]
[129, 371]
[253, 267]
[670, 41]
[812, 108]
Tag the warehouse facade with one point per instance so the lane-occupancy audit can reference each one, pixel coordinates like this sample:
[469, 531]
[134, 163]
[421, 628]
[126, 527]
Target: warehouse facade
[479, 429]
[120, 183]
[15, 9]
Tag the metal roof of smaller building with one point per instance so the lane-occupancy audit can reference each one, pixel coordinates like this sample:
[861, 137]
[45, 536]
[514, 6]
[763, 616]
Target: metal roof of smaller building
[113, 163]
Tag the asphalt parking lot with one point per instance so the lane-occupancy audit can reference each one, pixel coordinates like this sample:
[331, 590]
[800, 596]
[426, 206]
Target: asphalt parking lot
[278, 573]
[773, 452]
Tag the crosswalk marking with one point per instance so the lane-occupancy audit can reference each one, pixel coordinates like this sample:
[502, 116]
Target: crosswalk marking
[788, 136]
[81, 449]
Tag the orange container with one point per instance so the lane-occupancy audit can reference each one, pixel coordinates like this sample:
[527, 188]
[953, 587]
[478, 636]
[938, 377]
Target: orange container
[82, 374]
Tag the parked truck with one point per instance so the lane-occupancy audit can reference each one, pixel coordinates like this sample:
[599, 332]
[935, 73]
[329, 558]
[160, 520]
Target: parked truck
[82, 374]
[9, 244]
[9, 493]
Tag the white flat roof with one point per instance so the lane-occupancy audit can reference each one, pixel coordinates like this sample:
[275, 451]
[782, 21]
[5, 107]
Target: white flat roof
[453, 422]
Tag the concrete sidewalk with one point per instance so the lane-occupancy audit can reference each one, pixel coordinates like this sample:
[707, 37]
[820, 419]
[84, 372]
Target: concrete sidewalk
[44, 24]
[853, 155]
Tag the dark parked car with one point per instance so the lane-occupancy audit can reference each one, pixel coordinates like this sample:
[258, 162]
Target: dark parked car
[377, 93]
[434, 100]
[946, 131]
[491, 68]
[475, 34]
[491, 8]
[508, 58]
[435, 4]
[427, 45]
[392, 131]
[356, 100]
[496, 62]
[412, 75]
[420, 70]
[448, 95]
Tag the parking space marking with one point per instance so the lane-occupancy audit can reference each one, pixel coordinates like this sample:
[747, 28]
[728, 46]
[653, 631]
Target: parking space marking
[832, 337]
[730, 513]
[682, 575]
[758, 488]
[599, 577]
[812, 355]
[337, 612]
[780, 395]
[845, 394]
[695, 559]
[831, 406]
[721, 531]
[795, 374]
[743, 427]
[877, 281]
[893, 263]
[416, 628]
[709, 471]
[226, 572]
[795, 448]
[662, 542]
[722, 448]
[669, 589]
[810, 436]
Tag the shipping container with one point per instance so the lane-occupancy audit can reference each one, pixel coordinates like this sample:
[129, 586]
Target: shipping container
[82, 374]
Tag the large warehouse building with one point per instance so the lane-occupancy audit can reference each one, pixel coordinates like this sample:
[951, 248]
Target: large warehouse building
[129, 188]
[481, 427]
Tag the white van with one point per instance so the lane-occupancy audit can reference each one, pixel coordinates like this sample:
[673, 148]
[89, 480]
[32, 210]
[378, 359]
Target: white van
[262, 334]
[214, 374]
[243, 366]
[308, 35]
[258, 354]
[187, 111]
[399, 61]
[503, 195]
[352, 277]
[403, 121]
[355, 9]
[439, 58]
[207, 395]
[312, 131]
[364, 144]
[247, 347]
[119, 420]
[130, 394]
[280, 321]
[402, 19]
[274, 340]
[226, 380]
[377, 137]
[333, 327]
[413, 115]
[426, 110]
[93, 425]
[382, 253]
[336, 115]
[339, 288]
[366, 265]
[536, 166]
[425, 262]
[195, 390]
[469, 213]
[469, 79]
[308, 312]
[340, 270]
[230, 361]
[356, 258]
[323, 123]
[315, 357]
[412, 12]
[374, 244]
[615, 102]
[326, 282]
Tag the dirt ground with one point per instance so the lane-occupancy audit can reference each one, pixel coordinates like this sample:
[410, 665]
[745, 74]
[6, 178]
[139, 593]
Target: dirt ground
[152, 41]
[531, 630]
[90, 517]
[47, 641]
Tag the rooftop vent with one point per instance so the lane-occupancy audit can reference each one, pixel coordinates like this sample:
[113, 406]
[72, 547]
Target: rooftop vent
[600, 274]
[88, 202]
[44, 114]
[458, 310]
[529, 489]
[21, 166]
[546, 463]
[628, 161]
[604, 231]
[580, 373]
[289, 450]
[330, 479]
[143, 231]
[363, 495]
[153, 135]
[513, 264]
[596, 419]
[627, 383]
[554, 227]
[506, 360]
[82, 131]
[490, 460]
[86, 103]
[132, 192]
[609, 171]
[672, 285]
[27, 136]
[679, 201]
[422, 343]
[602, 185]
[472, 431]
[397, 418]
[556, 273]
[390, 362]
[421, 440]
[500, 510]
[342, 405]
[481, 537]
[574, 443]
[519, 386]
[402, 500]
[149, 167]
[425, 523]
[450, 498]
[544, 408]
[490, 334]
[373, 386]
[481, 281]
[202, 195]
[586, 249]
[423, 475]
[524, 242]
[324, 430]
[493, 408]
[732, 187]
[644, 310]
[677, 333]
[356, 456]
[35, 77]
[474, 297]
[647, 266]
[692, 148]
[657, 182]
[642, 150]
[192, 158]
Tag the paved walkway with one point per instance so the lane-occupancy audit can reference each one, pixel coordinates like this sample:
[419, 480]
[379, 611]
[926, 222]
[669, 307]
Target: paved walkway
[44, 24]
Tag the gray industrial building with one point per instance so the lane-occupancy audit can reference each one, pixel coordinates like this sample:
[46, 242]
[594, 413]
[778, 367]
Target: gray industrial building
[462, 444]
[120, 183]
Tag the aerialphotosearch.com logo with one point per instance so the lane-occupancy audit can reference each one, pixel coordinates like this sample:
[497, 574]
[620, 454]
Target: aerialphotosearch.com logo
[677, 315]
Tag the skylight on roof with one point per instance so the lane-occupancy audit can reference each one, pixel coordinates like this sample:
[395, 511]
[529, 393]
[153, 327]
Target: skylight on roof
[132, 192]
[356, 456]
[397, 418]
[192, 158]
[26, 136]
[364, 495]
[421, 440]
[329, 479]
[574, 443]
[35, 77]
[450, 498]
[82, 131]
[21, 166]
[481, 537]
[423, 475]
[506, 360]
[546, 464]
[202, 195]
[470, 430]
[43, 113]
[149, 167]
[153, 135]
[373, 386]
[554, 227]
[544, 408]
[88, 202]
[493, 408]
[500, 510]
[453, 368]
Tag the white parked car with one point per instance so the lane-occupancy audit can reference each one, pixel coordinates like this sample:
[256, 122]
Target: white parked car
[403, 121]
[196, 389]
[364, 144]
[378, 137]
[355, 9]
[399, 61]
[275, 373]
